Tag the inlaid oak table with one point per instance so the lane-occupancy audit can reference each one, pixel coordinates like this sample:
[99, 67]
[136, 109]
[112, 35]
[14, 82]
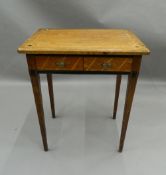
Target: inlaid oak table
[83, 51]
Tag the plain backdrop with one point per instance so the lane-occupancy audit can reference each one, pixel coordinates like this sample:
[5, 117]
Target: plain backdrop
[20, 18]
[83, 139]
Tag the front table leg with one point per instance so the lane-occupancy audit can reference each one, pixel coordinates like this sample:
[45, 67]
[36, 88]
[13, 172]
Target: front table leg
[35, 80]
[132, 81]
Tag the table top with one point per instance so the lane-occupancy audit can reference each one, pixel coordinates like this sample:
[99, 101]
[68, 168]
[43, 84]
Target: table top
[84, 41]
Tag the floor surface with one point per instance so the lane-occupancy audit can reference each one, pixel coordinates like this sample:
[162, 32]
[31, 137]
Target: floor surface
[83, 139]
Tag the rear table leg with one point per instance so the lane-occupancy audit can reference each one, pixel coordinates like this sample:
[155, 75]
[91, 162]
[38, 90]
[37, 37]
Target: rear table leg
[117, 90]
[51, 93]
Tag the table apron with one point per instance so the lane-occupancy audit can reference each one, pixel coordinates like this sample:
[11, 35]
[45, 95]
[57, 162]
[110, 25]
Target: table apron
[71, 64]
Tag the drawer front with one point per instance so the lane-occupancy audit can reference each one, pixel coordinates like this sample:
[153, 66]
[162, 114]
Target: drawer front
[68, 63]
[108, 64]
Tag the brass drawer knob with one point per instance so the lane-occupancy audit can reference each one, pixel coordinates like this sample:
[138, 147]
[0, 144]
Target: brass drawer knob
[60, 64]
[106, 65]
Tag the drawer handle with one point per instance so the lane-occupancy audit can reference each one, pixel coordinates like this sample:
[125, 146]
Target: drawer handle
[106, 65]
[60, 64]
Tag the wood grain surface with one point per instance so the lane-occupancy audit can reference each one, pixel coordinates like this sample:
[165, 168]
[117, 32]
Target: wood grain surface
[84, 41]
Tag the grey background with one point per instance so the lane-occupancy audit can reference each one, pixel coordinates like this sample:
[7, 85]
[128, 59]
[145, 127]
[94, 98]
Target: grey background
[20, 18]
[83, 139]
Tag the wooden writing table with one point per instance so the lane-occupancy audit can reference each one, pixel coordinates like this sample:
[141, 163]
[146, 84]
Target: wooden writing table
[83, 51]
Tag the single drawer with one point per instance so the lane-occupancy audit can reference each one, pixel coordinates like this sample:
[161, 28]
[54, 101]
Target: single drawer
[68, 63]
[108, 64]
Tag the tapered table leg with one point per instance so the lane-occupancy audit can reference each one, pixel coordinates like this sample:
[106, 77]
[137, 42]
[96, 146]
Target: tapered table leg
[35, 80]
[132, 81]
[117, 90]
[51, 93]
